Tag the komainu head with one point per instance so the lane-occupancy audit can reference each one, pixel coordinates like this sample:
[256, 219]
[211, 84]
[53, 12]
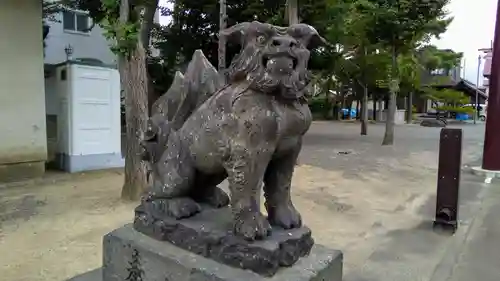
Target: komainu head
[273, 58]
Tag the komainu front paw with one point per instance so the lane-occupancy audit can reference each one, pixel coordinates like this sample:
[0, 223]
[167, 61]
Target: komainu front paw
[285, 216]
[177, 208]
[251, 225]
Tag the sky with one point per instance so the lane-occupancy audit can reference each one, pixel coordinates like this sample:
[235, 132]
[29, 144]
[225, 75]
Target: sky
[472, 28]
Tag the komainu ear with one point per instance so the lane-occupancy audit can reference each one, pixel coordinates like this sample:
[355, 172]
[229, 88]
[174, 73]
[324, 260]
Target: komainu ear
[307, 35]
[235, 33]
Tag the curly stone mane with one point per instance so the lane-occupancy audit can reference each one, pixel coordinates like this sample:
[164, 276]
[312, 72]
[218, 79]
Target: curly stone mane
[250, 64]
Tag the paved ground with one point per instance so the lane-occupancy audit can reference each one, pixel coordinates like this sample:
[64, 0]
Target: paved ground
[478, 257]
[374, 203]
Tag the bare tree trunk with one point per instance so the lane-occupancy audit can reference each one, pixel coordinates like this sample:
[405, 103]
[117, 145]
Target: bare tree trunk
[134, 83]
[409, 108]
[364, 98]
[337, 103]
[374, 113]
[292, 12]
[342, 96]
[222, 39]
[393, 88]
[133, 80]
[364, 112]
[358, 101]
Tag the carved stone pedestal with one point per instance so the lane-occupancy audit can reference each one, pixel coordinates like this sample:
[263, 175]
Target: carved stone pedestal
[131, 255]
[209, 234]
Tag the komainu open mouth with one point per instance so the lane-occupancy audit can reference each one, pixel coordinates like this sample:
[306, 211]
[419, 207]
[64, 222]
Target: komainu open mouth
[281, 62]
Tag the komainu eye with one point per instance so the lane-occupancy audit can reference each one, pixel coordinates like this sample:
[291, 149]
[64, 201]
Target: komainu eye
[261, 39]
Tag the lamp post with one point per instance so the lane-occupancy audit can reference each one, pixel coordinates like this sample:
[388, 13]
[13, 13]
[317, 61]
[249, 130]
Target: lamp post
[491, 150]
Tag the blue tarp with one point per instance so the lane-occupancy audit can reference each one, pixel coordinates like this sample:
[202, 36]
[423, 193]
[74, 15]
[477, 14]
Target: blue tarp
[462, 116]
[345, 111]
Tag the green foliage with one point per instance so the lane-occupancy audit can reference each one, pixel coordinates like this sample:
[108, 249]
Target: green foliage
[124, 34]
[318, 105]
[400, 24]
[360, 32]
[195, 25]
[434, 58]
[354, 59]
[447, 97]
[415, 67]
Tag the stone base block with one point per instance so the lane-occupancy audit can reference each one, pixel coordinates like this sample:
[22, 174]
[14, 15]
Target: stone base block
[209, 234]
[131, 255]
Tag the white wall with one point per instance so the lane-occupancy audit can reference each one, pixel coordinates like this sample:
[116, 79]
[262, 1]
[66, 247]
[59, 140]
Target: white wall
[92, 45]
[22, 97]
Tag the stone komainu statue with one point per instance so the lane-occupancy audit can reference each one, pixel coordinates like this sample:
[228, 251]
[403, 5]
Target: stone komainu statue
[249, 130]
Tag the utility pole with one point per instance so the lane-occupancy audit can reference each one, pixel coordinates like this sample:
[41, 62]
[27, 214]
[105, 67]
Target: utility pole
[477, 88]
[222, 39]
[491, 150]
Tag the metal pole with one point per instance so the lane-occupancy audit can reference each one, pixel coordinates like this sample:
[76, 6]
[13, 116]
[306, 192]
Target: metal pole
[477, 88]
[491, 150]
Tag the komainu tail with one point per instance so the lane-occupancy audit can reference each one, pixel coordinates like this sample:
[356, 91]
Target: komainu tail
[173, 108]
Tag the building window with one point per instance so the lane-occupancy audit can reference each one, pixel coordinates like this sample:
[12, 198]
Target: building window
[77, 22]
